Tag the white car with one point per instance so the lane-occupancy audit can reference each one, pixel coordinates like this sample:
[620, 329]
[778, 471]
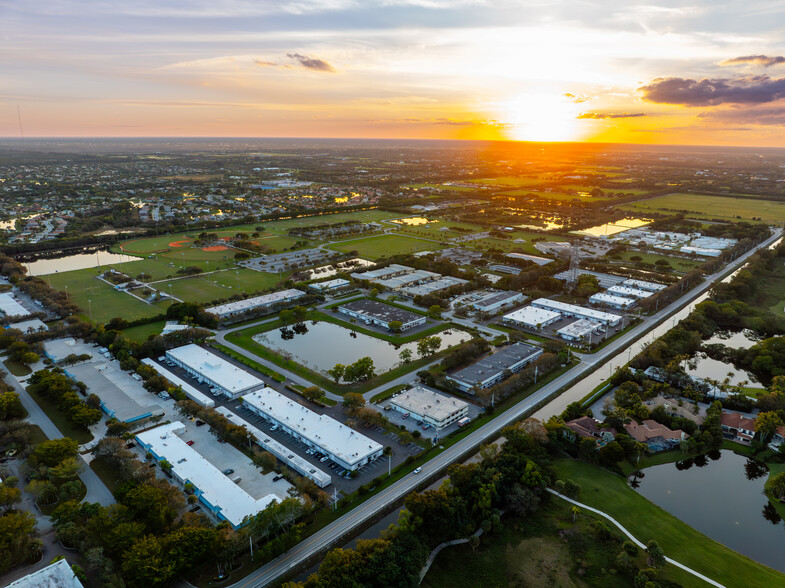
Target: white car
[417, 470]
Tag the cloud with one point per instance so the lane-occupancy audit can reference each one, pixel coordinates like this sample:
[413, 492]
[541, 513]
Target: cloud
[262, 63]
[764, 60]
[313, 63]
[713, 92]
[767, 116]
[603, 115]
[576, 99]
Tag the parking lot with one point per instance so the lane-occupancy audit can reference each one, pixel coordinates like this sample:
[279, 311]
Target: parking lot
[427, 431]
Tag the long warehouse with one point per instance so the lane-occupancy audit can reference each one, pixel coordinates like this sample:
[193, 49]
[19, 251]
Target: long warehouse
[280, 451]
[230, 309]
[342, 444]
[187, 389]
[605, 318]
[224, 378]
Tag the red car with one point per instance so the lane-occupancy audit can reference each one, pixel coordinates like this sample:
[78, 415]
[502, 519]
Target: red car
[189, 442]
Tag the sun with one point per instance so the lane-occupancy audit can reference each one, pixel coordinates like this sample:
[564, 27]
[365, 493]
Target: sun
[542, 117]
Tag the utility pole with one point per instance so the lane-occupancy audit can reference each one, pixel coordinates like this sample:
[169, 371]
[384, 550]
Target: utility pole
[335, 498]
[250, 544]
[389, 465]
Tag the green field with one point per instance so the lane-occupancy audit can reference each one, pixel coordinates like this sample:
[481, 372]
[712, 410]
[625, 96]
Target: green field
[106, 302]
[710, 207]
[511, 181]
[679, 264]
[61, 421]
[385, 245]
[363, 216]
[141, 333]
[436, 230]
[611, 494]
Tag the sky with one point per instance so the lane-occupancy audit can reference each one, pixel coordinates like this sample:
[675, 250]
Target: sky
[708, 72]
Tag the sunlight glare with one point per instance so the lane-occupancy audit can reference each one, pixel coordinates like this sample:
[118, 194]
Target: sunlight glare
[542, 117]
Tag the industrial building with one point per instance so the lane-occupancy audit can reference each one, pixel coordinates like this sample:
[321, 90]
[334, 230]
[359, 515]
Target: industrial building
[343, 445]
[122, 396]
[579, 330]
[383, 273]
[29, 326]
[618, 302]
[230, 309]
[533, 258]
[329, 285]
[701, 251]
[433, 286]
[498, 300]
[604, 280]
[224, 378]
[530, 317]
[372, 312]
[431, 408]
[220, 495]
[505, 269]
[605, 318]
[492, 369]
[56, 575]
[628, 292]
[413, 278]
[643, 285]
[280, 451]
[9, 306]
[188, 390]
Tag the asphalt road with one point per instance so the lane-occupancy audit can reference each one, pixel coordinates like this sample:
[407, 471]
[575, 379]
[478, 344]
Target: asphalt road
[340, 528]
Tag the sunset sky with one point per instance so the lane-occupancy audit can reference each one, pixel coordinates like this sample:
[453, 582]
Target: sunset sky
[703, 72]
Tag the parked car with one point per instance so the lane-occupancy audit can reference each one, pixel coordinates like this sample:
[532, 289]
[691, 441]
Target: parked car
[199, 423]
[324, 459]
[227, 471]
[274, 427]
[276, 478]
[189, 442]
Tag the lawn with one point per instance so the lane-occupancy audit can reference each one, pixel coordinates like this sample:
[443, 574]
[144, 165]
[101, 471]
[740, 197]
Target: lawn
[438, 229]
[363, 216]
[209, 287]
[63, 424]
[16, 368]
[141, 333]
[385, 245]
[611, 494]
[678, 263]
[105, 302]
[722, 207]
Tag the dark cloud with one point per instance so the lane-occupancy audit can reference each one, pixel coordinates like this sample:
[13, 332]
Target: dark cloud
[577, 99]
[764, 60]
[603, 115]
[313, 63]
[712, 92]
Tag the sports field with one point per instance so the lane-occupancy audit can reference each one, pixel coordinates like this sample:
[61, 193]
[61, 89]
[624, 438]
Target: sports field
[223, 284]
[439, 229]
[700, 206]
[677, 263]
[386, 245]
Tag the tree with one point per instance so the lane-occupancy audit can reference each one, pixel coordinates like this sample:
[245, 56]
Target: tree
[362, 369]
[435, 311]
[352, 401]
[428, 346]
[312, 393]
[9, 496]
[405, 355]
[395, 326]
[767, 424]
[337, 372]
[287, 316]
[17, 531]
[777, 486]
[68, 469]
[53, 451]
[656, 554]
[11, 406]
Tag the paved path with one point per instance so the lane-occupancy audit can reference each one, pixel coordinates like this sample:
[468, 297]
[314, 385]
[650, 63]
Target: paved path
[96, 490]
[633, 539]
[344, 526]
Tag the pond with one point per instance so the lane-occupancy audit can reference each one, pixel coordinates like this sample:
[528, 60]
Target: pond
[720, 495]
[319, 345]
[707, 368]
[414, 221]
[51, 265]
[742, 340]
[614, 228]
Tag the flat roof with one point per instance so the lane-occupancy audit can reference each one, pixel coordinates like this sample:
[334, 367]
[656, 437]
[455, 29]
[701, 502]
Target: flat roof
[628, 292]
[533, 258]
[531, 315]
[611, 299]
[336, 283]
[643, 285]
[225, 374]
[255, 302]
[34, 324]
[497, 298]
[505, 358]
[579, 328]
[234, 502]
[322, 430]
[574, 309]
[278, 449]
[380, 311]
[56, 575]
[189, 390]
[422, 401]
[10, 306]
[118, 391]
[376, 274]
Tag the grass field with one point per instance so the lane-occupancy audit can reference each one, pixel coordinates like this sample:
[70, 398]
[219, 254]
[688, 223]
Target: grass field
[385, 245]
[58, 418]
[437, 230]
[678, 263]
[141, 333]
[611, 494]
[106, 302]
[722, 207]
[511, 181]
[364, 216]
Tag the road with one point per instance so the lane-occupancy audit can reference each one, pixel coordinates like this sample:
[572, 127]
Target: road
[329, 535]
[96, 490]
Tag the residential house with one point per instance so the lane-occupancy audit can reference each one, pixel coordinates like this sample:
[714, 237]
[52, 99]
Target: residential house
[655, 436]
[586, 427]
[738, 427]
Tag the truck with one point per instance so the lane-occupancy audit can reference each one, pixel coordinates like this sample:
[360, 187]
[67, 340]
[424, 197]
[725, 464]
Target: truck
[464, 421]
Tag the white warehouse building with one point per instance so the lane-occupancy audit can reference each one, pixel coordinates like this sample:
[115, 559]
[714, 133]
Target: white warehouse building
[531, 317]
[224, 378]
[605, 318]
[230, 309]
[426, 406]
[579, 330]
[611, 300]
[643, 285]
[343, 445]
[191, 392]
[628, 292]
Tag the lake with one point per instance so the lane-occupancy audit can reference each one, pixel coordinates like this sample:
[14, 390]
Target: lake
[51, 265]
[320, 345]
[722, 498]
[613, 228]
[414, 221]
[714, 369]
[741, 340]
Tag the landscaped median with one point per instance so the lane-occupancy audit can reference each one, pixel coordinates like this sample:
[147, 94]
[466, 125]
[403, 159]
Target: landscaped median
[611, 494]
[244, 339]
